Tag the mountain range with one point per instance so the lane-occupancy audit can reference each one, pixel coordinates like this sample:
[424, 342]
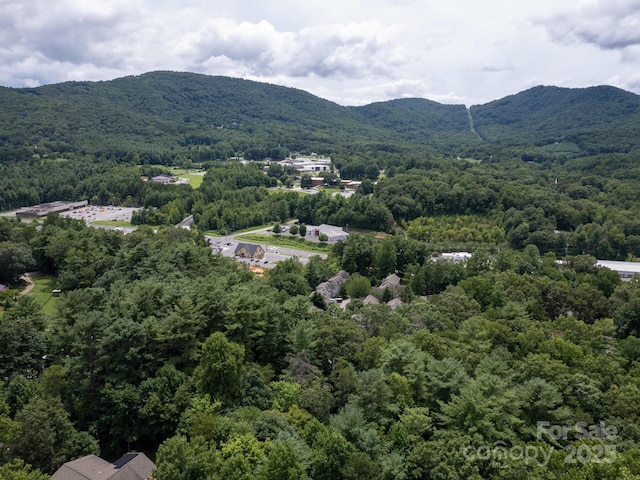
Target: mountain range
[168, 114]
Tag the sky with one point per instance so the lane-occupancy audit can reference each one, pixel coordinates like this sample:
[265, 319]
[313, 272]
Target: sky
[352, 52]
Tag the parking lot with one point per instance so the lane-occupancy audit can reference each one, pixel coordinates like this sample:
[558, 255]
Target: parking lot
[93, 213]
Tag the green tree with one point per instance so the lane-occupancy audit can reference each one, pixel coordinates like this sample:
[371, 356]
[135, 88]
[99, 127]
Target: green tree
[24, 347]
[358, 286]
[181, 459]
[15, 259]
[305, 181]
[282, 463]
[9, 430]
[302, 230]
[487, 406]
[331, 454]
[241, 457]
[47, 437]
[221, 368]
[318, 270]
[386, 257]
[18, 470]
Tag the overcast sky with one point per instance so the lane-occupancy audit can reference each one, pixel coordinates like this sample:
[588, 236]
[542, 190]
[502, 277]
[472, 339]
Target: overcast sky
[352, 52]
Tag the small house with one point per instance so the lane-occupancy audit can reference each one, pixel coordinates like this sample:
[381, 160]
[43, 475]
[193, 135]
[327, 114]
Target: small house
[131, 466]
[249, 250]
[331, 287]
[395, 303]
[370, 300]
[392, 281]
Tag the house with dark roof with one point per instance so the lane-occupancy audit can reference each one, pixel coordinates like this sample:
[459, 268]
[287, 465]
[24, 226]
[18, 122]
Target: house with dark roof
[331, 287]
[131, 466]
[248, 250]
[390, 284]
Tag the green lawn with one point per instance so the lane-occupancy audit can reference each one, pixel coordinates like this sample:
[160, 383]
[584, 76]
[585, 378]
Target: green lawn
[215, 233]
[286, 240]
[111, 223]
[195, 180]
[193, 175]
[42, 292]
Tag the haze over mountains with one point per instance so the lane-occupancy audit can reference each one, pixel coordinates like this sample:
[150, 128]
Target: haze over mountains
[180, 112]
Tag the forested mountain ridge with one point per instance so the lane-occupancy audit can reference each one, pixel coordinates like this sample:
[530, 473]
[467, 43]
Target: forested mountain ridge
[164, 115]
[599, 119]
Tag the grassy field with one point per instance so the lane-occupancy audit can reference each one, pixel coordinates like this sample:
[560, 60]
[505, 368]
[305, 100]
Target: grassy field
[215, 233]
[286, 240]
[111, 223]
[193, 175]
[195, 180]
[42, 292]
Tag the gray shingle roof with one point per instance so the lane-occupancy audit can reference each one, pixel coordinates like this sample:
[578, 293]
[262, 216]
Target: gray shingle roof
[131, 466]
[251, 248]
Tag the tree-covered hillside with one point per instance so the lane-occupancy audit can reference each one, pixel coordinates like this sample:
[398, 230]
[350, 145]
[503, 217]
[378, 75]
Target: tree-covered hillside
[165, 117]
[597, 119]
[417, 119]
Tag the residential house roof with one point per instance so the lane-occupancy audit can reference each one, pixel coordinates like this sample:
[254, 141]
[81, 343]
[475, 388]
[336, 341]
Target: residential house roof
[331, 287]
[131, 466]
[392, 281]
[370, 300]
[252, 248]
[2, 287]
[395, 303]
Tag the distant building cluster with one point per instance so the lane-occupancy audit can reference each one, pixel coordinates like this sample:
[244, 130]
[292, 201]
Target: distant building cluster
[166, 179]
[313, 163]
[455, 257]
[42, 210]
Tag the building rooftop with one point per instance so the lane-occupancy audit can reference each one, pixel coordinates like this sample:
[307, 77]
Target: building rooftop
[131, 466]
[252, 248]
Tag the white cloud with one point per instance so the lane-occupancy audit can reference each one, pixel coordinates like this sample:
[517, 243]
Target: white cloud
[345, 50]
[462, 51]
[611, 25]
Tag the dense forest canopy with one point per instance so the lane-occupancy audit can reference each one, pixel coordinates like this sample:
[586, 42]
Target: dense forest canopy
[521, 362]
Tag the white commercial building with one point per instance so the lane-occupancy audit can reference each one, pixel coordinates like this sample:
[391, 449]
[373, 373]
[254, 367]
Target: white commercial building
[626, 270]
